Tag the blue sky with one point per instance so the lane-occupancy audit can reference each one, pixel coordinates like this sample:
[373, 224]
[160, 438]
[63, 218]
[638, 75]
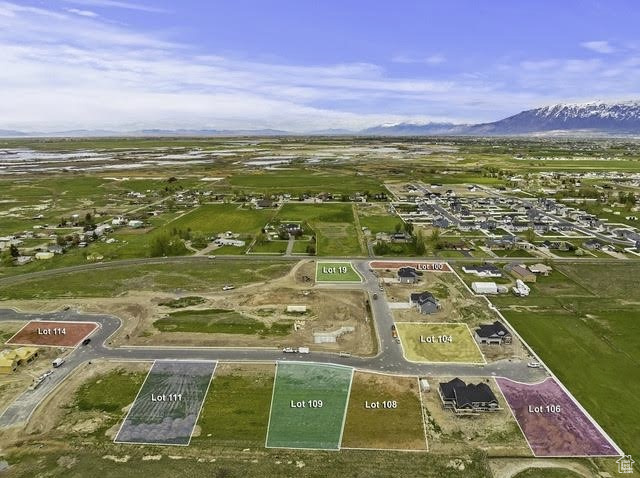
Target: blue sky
[306, 65]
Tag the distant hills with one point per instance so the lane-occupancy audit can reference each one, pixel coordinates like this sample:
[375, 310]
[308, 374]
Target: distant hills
[622, 118]
[585, 118]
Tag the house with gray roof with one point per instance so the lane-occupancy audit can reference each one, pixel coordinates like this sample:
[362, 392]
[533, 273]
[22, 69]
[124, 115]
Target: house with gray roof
[425, 302]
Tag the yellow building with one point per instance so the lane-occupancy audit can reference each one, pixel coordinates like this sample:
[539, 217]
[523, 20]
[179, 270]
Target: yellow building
[10, 359]
[7, 364]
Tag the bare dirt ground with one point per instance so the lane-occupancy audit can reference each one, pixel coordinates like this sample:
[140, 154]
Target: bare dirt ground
[327, 310]
[497, 433]
[49, 413]
[507, 468]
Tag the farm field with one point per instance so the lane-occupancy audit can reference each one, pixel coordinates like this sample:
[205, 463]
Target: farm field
[308, 405]
[438, 342]
[333, 224]
[109, 282]
[211, 219]
[396, 423]
[303, 181]
[589, 338]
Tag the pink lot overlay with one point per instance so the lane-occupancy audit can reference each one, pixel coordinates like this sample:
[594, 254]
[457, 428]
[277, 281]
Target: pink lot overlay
[552, 422]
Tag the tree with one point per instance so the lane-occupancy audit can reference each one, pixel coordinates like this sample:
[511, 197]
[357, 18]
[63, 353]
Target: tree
[398, 227]
[408, 227]
[420, 246]
[530, 235]
[6, 259]
[13, 250]
[87, 218]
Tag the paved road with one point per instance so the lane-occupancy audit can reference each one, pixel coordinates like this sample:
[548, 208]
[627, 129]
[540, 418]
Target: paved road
[389, 358]
[194, 259]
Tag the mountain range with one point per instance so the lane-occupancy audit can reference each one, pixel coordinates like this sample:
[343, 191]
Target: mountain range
[594, 118]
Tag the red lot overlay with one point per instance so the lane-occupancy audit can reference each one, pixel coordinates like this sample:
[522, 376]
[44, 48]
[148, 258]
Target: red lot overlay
[552, 423]
[53, 334]
[418, 265]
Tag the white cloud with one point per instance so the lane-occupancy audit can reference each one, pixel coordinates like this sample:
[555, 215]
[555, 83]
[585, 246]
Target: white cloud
[118, 4]
[428, 60]
[82, 13]
[62, 70]
[599, 46]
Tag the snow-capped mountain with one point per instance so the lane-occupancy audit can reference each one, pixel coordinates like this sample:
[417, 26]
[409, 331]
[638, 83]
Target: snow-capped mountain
[595, 116]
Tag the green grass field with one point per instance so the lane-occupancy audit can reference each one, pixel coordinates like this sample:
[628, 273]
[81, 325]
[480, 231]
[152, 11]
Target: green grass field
[236, 410]
[379, 223]
[202, 276]
[216, 218]
[396, 424]
[425, 342]
[220, 321]
[308, 405]
[305, 181]
[336, 272]
[333, 225]
[270, 247]
[587, 330]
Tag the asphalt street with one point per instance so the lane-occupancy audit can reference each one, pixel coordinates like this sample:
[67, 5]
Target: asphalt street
[389, 358]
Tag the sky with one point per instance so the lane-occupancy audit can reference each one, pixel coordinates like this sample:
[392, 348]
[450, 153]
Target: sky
[303, 65]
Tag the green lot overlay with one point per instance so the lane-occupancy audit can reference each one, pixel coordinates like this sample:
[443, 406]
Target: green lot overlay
[308, 406]
[438, 342]
[336, 272]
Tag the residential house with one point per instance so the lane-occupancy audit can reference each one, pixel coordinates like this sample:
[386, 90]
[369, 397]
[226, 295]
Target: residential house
[484, 270]
[460, 397]
[407, 275]
[493, 334]
[540, 269]
[520, 271]
[425, 302]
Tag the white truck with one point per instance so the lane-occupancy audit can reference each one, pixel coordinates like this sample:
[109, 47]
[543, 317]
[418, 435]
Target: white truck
[299, 350]
[57, 362]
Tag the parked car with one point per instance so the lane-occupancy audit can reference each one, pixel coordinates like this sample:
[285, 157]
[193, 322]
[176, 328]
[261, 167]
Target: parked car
[534, 365]
[86, 341]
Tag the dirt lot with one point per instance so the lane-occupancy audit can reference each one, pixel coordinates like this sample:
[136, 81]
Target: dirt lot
[399, 427]
[497, 433]
[50, 412]
[53, 334]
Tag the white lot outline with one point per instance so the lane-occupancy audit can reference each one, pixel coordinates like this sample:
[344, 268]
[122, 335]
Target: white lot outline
[539, 360]
[338, 281]
[346, 408]
[346, 405]
[385, 261]
[424, 419]
[586, 415]
[204, 397]
[64, 323]
[484, 360]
